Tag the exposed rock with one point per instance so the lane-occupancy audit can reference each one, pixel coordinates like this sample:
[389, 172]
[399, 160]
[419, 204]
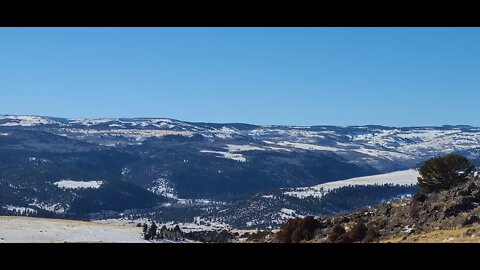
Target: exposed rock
[447, 209]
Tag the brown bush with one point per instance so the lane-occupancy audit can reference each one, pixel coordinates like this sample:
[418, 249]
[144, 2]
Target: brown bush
[372, 234]
[358, 231]
[344, 238]
[258, 236]
[419, 197]
[335, 233]
[298, 229]
[415, 210]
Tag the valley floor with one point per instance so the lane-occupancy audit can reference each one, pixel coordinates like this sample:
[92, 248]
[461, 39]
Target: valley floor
[15, 229]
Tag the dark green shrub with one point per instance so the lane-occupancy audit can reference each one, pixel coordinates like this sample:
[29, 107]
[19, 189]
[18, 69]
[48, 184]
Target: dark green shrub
[442, 173]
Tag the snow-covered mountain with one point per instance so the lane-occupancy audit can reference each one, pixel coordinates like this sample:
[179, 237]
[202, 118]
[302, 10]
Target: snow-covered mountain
[58, 166]
[378, 146]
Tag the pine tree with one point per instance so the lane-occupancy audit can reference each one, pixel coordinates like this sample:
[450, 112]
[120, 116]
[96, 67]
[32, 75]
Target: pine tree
[444, 172]
[163, 232]
[152, 231]
[177, 232]
[145, 231]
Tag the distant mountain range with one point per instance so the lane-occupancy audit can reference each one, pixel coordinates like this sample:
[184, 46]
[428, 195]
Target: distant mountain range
[156, 166]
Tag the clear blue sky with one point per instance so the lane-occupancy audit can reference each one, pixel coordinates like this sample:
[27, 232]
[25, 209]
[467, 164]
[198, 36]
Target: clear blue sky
[298, 76]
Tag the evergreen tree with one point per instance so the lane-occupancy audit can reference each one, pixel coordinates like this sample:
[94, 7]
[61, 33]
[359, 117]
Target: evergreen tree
[444, 172]
[145, 229]
[177, 232]
[152, 231]
[163, 231]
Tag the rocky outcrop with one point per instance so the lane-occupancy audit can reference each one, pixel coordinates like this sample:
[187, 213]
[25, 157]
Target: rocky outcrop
[445, 210]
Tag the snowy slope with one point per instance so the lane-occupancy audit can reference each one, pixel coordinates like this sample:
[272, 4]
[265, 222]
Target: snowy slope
[78, 184]
[42, 230]
[24, 120]
[406, 177]
[367, 144]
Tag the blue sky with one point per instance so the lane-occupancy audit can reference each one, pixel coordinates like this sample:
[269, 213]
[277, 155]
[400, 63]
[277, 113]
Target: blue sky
[295, 76]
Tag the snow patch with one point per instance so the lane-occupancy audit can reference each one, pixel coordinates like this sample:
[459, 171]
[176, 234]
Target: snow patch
[306, 146]
[198, 224]
[19, 209]
[70, 184]
[163, 187]
[232, 148]
[237, 157]
[286, 213]
[56, 207]
[406, 177]
[408, 229]
[125, 171]
[448, 239]
[224, 132]
[278, 148]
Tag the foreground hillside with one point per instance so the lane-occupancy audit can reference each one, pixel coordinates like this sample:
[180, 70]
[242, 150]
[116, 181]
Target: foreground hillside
[451, 215]
[43, 230]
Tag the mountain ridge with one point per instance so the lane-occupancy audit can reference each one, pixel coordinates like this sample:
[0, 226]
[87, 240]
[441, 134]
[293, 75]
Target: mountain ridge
[238, 123]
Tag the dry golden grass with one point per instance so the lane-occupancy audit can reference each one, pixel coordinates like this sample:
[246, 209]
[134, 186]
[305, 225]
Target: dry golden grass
[441, 236]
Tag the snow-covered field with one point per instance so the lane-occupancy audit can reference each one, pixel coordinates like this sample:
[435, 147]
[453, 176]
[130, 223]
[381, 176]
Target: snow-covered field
[406, 177]
[43, 230]
[70, 184]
